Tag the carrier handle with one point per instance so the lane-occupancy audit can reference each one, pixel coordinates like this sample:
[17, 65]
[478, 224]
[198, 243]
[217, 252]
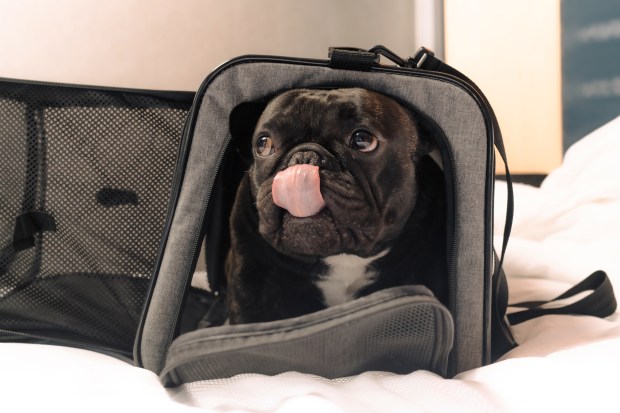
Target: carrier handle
[351, 58]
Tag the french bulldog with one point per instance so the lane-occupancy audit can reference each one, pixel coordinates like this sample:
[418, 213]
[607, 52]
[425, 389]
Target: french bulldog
[340, 200]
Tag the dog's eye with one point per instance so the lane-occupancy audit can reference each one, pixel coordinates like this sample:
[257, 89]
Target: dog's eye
[264, 146]
[363, 141]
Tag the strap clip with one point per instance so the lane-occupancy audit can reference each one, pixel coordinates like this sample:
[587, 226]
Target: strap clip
[422, 56]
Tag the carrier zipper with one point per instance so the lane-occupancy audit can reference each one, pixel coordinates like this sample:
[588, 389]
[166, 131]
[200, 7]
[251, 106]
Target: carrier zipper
[451, 203]
[175, 190]
[448, 162]
[197, 243]
[425, 60]
[198, 240]
[182, 159]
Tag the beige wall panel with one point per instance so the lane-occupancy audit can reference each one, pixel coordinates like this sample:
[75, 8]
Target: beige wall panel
[174, 44]
[511, 49]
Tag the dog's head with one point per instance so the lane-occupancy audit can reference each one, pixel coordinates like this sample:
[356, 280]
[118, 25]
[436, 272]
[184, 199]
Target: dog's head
[333, 171]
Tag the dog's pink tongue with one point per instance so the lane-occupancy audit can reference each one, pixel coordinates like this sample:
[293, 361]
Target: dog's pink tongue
[298, 190]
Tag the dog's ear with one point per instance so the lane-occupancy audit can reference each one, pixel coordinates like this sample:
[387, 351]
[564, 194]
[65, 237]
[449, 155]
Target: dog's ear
[242, 121]
[426, 138]
[428, 145]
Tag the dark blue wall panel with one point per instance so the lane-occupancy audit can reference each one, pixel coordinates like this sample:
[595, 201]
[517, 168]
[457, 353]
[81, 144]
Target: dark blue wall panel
[590, 65]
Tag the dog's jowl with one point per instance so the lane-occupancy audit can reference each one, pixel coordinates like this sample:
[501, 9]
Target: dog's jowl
[340, 200]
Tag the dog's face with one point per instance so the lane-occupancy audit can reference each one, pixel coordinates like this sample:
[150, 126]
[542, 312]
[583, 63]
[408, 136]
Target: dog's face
[334, 171]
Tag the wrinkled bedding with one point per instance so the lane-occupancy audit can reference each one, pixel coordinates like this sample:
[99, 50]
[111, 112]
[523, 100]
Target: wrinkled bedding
[562, 232]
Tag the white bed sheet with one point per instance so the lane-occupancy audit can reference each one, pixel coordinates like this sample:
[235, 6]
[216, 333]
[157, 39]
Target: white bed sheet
[562, 232]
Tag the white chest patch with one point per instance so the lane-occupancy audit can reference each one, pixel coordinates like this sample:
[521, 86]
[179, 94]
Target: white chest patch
[346, 275]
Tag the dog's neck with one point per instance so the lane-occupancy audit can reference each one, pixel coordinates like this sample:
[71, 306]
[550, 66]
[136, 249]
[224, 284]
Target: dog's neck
[345, 276]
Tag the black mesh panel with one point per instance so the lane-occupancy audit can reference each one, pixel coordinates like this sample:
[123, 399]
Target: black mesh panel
[85, 179]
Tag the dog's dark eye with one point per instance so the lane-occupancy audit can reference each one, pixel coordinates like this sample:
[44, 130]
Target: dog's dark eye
[264, 146]
[363, 141]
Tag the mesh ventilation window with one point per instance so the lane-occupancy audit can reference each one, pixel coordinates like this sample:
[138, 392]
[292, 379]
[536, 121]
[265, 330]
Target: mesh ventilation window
[86, 179]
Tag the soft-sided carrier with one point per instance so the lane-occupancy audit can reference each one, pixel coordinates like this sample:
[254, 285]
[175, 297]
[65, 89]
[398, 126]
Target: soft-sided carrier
[108, 196]
[415, 330]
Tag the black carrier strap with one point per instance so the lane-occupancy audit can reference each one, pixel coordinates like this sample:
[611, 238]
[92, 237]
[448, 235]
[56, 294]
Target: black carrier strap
[600, 302]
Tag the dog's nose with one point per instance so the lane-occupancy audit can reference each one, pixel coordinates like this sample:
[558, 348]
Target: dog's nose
[313, 154]
[305, 157]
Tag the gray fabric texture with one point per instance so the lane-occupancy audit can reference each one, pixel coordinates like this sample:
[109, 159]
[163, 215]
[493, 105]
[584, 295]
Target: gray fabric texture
[450, 106]
[348, 339]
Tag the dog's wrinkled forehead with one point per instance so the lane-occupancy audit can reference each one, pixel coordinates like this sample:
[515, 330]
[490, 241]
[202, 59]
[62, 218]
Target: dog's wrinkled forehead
[309, 113]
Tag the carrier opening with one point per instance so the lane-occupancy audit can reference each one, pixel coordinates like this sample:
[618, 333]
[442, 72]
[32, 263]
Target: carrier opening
[206, 303]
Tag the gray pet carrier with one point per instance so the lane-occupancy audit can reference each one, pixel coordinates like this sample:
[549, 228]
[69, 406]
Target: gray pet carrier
[107, 197]
[399, 329]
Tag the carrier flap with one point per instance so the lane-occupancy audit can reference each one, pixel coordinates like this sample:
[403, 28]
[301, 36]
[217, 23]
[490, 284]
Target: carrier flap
[399, 330]
[85, 178]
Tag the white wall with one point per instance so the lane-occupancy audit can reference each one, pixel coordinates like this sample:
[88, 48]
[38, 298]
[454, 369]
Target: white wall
[174, 44]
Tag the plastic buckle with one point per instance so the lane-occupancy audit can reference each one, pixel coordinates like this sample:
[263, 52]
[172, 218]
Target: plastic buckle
[420, 57]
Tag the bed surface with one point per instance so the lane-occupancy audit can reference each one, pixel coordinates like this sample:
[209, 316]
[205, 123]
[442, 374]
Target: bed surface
[562, 232]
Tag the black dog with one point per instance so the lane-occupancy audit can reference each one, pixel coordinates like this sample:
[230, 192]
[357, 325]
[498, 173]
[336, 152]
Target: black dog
[341, 200]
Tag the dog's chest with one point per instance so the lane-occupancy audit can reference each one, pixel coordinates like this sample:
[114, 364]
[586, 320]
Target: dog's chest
[346, 274]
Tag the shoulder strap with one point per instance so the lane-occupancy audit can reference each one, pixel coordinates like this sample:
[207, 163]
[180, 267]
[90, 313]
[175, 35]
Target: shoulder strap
[599, 302]
[425, 59]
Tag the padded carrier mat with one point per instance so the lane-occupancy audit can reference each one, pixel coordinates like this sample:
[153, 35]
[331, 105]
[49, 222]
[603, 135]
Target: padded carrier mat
[400, 330]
